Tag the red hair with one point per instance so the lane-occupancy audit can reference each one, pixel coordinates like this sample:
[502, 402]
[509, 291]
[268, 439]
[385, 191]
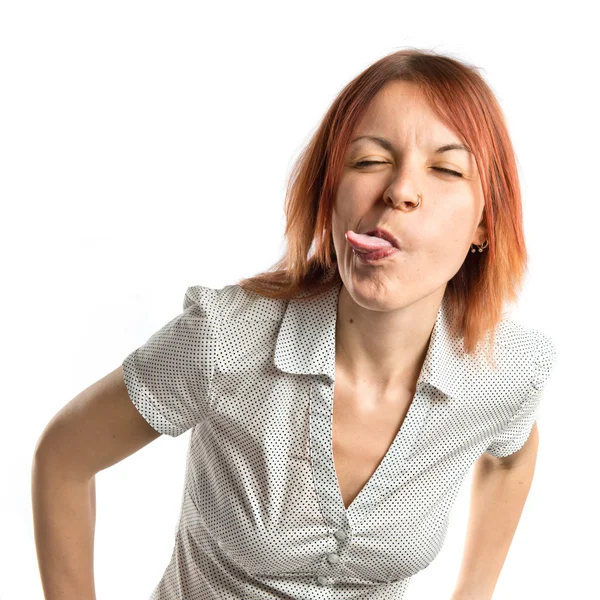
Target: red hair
[463, 101]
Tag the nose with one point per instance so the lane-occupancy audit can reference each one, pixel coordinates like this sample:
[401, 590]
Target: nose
[405, 203]
[402, 192]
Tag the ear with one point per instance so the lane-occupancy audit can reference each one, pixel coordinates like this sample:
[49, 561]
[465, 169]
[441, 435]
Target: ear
[480, 235]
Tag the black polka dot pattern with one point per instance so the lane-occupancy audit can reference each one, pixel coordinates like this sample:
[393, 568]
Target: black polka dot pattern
[262, 515]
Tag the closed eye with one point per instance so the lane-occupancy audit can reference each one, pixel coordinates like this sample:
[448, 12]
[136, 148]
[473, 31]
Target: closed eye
[450, 171]
[364, 163]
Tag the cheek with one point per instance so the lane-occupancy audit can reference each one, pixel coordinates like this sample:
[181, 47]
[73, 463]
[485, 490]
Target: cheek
[443, 246]
[447, 255]
[345, 215]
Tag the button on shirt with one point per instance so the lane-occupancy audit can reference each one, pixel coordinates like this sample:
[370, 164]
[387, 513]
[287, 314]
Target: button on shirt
[262, 515]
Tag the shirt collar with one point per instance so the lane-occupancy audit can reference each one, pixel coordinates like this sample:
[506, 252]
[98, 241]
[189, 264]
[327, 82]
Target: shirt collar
[306, 343]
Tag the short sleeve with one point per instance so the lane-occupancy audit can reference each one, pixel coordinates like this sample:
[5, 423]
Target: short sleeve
[517, 431]
[169, 377]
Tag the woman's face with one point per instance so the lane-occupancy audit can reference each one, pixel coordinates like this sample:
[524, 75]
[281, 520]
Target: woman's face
[435, 237]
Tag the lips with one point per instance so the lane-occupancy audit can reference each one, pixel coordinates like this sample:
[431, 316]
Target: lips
[373, 240]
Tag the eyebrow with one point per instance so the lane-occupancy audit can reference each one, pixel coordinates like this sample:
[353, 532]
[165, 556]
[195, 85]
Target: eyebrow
[388, 146]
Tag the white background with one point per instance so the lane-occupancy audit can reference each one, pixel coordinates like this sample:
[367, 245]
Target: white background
[145, 148]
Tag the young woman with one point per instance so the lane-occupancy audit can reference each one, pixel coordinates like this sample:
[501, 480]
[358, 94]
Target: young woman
[337, 401]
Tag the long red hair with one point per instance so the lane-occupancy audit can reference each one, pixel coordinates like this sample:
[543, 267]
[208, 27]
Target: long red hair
[462, 100]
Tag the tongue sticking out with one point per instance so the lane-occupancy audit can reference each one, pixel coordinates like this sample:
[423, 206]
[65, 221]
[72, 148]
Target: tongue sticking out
[366, 243]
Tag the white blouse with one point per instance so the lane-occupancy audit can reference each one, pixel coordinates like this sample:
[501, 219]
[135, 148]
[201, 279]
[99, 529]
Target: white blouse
[262, 515]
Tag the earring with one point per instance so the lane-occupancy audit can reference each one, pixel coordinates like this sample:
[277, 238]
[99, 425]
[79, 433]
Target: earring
[481, 247]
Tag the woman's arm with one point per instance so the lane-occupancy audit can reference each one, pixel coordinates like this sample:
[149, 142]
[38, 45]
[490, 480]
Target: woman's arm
[498, 492]
[64, 515]
[96, 430]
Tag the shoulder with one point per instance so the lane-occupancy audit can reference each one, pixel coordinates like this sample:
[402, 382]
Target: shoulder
[246, 325]
[233, 303]
[531, 346]
[524, 354]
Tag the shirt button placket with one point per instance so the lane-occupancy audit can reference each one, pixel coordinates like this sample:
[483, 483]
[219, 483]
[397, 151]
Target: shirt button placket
[333, 558]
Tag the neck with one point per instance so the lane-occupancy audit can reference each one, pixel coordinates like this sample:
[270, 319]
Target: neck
[384, 349]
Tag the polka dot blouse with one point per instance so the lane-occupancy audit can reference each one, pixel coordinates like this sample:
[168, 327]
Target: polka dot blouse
[262, 516]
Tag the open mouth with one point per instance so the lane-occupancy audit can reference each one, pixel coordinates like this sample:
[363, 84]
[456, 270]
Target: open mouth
[376, 239]
[373, 245]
